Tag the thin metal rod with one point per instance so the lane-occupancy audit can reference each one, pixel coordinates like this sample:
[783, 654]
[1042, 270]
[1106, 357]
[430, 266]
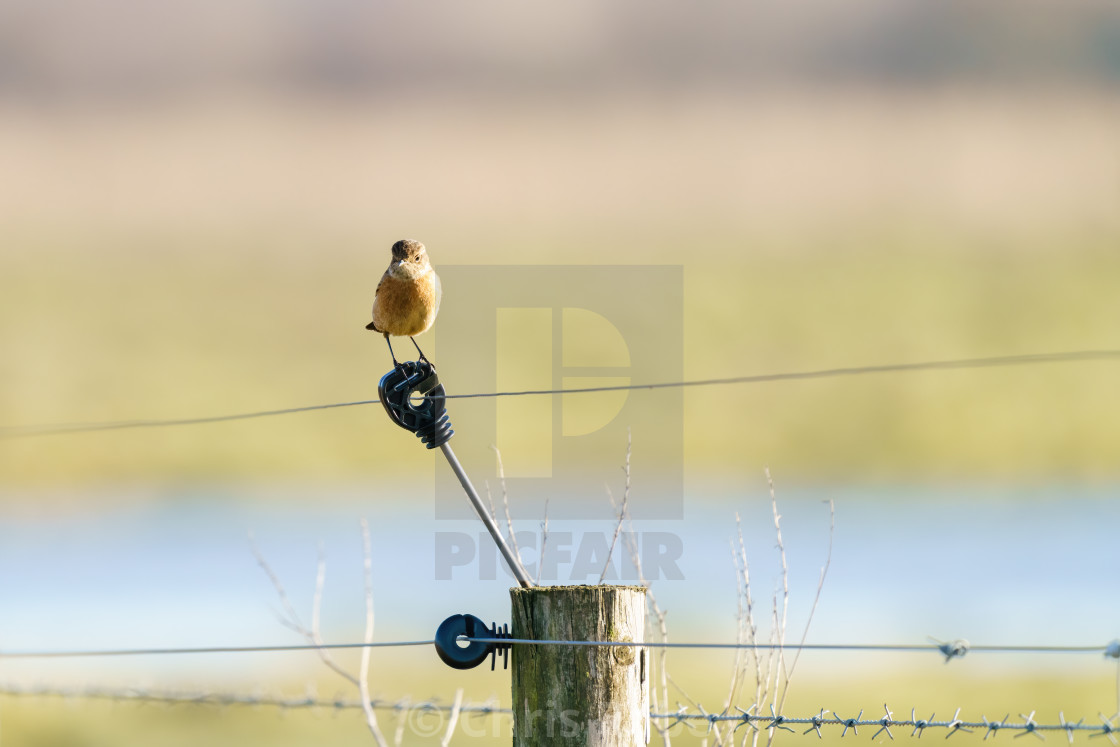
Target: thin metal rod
[513, 561]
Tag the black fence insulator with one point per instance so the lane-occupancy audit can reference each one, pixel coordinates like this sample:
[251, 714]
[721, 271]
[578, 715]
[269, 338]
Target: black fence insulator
[455, 654]
[414, 400]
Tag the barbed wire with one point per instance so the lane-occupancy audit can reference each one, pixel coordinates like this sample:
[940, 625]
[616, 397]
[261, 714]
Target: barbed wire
[205, 697]
[917, 725]
[949, 649]
[741, 717]
[51, 429]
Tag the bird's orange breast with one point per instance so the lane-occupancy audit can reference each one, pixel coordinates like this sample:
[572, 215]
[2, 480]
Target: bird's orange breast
[406, 307]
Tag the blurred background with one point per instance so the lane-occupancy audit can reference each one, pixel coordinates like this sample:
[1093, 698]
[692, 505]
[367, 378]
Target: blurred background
[197, 200]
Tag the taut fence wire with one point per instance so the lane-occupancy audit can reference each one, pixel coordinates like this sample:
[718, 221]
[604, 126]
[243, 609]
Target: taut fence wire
[948, 649]
[51, 429]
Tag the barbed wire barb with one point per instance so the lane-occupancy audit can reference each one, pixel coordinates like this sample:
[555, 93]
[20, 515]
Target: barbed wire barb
[817, 722]
[1107, 729]
[1029, 727]
[885, 724]
[1069, 731]
[993, 726]
[850, 723]
[920, 725]
[957, 725]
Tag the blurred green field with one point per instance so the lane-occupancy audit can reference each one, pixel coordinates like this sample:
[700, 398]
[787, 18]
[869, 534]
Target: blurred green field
[96, 331]
[199, 259]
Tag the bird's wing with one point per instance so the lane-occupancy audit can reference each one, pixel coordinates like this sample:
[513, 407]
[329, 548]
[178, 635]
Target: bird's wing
[381, 282]
[437, 291]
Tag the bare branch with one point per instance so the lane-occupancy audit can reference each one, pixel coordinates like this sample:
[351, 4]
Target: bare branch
[777, 674]
[317, 598]
[816, 599]
[363, 672]
[291, 619]
[398, 734]
[490, 500]
[544, 542]
[505, 502]
[783, 619]
[621, 512]
[454, 718]
[745, 627]
[684, 693]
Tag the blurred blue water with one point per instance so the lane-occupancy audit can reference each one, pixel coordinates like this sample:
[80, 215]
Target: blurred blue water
[1001, 566]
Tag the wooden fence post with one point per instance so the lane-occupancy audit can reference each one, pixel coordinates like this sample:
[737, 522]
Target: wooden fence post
[580, 695]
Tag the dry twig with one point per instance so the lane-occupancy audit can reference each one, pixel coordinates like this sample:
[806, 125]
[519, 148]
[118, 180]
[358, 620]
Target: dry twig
[363, 676]
[622, 512]
[544, 542]
[291, 620]
[453, 719]
[505, 503]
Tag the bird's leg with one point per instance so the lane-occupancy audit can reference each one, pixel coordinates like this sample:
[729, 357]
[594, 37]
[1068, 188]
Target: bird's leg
[418, 350]
[396, 364]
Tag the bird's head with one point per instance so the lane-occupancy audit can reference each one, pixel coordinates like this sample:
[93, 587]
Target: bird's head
[407, 251]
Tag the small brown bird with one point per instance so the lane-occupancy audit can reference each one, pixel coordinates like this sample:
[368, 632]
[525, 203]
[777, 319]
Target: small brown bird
[407, 298]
